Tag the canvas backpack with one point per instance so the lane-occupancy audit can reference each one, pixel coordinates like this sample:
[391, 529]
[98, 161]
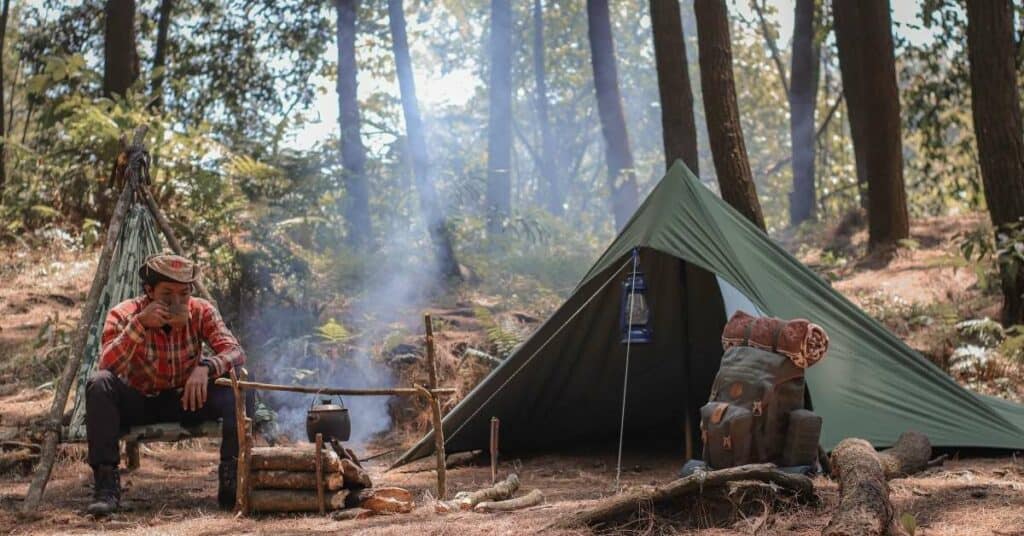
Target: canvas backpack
[753, 399]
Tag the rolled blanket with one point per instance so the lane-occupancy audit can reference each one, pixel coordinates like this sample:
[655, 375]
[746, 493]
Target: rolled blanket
[803, 342]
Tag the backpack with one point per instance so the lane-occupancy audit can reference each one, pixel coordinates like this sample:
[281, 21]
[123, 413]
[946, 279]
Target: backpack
[754, 398]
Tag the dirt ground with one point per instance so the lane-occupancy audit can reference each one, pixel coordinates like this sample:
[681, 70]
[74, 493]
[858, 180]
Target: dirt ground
[174, 490]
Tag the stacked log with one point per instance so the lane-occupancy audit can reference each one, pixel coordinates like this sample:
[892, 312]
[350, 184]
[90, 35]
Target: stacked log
[288, 479]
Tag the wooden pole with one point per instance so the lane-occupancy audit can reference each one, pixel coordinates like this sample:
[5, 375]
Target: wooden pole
[81, 335]
[495, 423]
[320, 473]
[405, 391]
[242, 472]
[435, 407]
[165, 227]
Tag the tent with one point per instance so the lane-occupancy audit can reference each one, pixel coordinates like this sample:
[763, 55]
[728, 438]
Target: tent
[702, 260]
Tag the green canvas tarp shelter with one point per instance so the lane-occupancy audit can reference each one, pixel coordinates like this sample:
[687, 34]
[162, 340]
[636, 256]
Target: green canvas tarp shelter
[702, 261]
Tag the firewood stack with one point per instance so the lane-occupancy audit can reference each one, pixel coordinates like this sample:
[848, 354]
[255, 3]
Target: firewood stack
[297, 479]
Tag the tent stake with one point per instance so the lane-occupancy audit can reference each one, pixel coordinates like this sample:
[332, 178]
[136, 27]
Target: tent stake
[67, 377]
[495, 423]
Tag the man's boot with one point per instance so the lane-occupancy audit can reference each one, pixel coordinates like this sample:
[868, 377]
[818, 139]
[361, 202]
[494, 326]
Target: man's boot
[227, 484]
[106, 492]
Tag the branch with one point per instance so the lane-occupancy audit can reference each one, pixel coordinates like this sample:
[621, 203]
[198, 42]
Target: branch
[626, 504]
[774, 168]
[772, 46]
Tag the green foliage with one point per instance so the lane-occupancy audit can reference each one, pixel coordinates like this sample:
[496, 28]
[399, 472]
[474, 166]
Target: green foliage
[981, 331]
[501, 335]
[909, 523]
[333, 332]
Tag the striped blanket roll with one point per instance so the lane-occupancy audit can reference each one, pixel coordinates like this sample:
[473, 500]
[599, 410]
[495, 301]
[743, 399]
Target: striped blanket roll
[802, 341]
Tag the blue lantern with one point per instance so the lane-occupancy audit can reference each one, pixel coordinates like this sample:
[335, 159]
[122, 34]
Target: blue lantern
[635, 320]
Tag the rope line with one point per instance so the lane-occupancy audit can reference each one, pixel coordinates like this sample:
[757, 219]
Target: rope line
[537, 351]
[625, 378]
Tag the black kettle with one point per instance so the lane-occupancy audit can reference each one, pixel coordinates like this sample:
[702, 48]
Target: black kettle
[329, 419]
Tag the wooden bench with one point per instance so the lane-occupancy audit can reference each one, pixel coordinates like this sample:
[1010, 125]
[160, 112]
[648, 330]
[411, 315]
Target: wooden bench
[163, 432]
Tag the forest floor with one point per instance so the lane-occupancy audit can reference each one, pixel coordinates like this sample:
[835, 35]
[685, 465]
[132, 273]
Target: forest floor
[920, 294]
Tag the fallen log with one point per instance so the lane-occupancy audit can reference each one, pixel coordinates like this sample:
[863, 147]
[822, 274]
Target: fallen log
[21, 459]
[272, 479]
[301, 458]
[533, 498]
[381, 504]
[277, 500]
[355, 477]
[623, 505]
[910, 454]
[466, 501]
[864, 508]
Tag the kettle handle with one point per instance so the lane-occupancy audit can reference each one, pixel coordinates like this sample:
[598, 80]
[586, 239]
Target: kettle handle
[326, 400]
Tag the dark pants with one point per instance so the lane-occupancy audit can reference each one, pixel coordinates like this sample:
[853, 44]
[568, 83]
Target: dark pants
[112, 406]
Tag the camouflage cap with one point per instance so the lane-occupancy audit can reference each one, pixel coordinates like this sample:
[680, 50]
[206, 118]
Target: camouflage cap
[173, 267]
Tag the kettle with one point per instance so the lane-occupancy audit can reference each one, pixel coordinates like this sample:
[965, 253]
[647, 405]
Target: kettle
[329, 419]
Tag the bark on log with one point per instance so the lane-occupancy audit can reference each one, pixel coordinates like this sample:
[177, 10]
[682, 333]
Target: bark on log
[909, 455]
[354, 476]
[293, 459]
[276, 500]
[864, 508]
[386, 505]
[466, 501]
[626, 504]
[272, 479]
[533, 498]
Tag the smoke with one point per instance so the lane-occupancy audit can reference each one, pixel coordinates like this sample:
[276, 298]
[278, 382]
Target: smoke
[384, 293]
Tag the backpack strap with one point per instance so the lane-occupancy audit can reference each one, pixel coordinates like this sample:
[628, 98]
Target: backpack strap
[747, 331]
[775, 336]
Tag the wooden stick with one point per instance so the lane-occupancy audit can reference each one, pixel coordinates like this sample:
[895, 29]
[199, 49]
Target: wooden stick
[403, 391]
[81, 335]
[246, 487]
[320, 472]
[495, 423]
[533, 498]
[623, 505]
[241, 472]
[466, 501]
[435, 408]
[165, 227]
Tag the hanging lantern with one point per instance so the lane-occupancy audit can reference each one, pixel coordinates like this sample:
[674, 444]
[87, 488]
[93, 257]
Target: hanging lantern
[635, 319]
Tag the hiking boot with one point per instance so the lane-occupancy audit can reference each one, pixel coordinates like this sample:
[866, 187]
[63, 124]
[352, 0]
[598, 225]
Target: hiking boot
[227, 484]
[106, 492]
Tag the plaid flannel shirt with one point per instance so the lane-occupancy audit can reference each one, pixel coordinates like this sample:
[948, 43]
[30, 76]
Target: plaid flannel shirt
[153, 360]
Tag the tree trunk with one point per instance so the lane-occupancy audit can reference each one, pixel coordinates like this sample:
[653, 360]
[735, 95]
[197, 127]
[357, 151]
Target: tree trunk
[678, 128]
[551, 192]
[725, 133]
[864, 507]
[353, 154]
[995, 100]
[803, 95]
[435, 222]
[499, 124]
[868, 65]
[3, 143]
[621, 172]
[120, 58]
[163, 27]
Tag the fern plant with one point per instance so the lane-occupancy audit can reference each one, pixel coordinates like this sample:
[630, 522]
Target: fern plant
[981, 331]
[503, 337]
[333, 332]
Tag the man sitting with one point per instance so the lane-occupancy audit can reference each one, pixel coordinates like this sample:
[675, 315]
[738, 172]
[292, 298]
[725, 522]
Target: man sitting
[152, 369]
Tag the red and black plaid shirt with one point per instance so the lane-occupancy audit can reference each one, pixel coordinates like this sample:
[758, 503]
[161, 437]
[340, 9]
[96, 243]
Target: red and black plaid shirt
[152, 360]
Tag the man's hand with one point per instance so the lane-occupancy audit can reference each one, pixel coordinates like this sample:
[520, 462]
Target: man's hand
[194, 396]
[155, 315]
